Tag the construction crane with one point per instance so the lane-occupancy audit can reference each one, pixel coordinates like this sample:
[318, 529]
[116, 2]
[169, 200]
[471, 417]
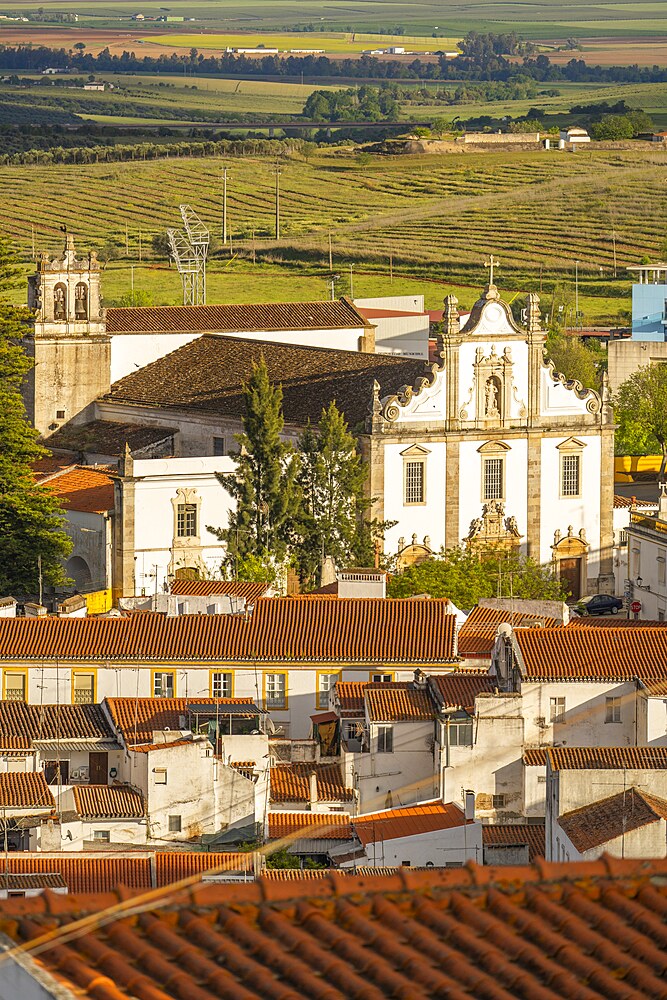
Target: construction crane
[189, 250]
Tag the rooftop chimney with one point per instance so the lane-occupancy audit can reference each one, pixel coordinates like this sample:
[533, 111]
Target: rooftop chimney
[313, 788]
[662, 502]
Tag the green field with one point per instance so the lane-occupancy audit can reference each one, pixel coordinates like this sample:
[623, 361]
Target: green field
[343, 44]
[436, 217]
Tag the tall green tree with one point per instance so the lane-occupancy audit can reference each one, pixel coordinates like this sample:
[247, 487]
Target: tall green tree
[462, 576]
[641, 403]
[335, 507]
[574, 360]
[31, 520]
[262, 529]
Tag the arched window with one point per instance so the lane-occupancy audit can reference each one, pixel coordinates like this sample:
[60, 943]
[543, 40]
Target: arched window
[81, 301]
[60, 302]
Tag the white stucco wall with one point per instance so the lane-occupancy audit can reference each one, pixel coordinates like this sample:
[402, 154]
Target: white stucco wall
[585, 712]
[427, 519]
[130, 351]
[648, 841]
[409, 773]
[439, 848]
[582, 512]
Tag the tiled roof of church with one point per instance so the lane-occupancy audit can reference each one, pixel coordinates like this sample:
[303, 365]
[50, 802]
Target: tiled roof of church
[108, 437]
[337, 315]
[208, 375]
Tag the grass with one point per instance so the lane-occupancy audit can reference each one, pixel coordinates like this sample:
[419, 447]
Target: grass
[437, 217]
[342, 44]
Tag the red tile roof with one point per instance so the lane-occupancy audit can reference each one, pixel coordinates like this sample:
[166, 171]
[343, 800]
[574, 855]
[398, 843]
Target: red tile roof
[398, 702]
[291, 783]
[598, 823]
[172, 866]
[83, 489]
[108, 802]
[459, 689]
[603, 758]
[138, 718]
[589, 653]
[350, 696]
[478, 633]
[207, 588]
[614, 621]
[313, 826]
[260, 317]
[407, 821]
[26, 723]
[25, 790]
[535, 756]
[279, 629]
[516, 835]
[588, 930]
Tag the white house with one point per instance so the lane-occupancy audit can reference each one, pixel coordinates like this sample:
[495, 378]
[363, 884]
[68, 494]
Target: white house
[647, 559]
[632, 823]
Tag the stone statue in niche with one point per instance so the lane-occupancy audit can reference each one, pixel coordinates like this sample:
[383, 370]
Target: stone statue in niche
[59, 302]
[491, 397]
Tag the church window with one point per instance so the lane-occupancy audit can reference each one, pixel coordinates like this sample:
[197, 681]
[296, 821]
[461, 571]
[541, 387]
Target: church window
[186, 520]
[60, 302]
[570, 475]
[219, 446]
[415, 482]
[81, 301]
[494, 479]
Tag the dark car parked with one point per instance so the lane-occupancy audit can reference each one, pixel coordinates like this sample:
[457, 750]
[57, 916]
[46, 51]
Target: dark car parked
[599, 604]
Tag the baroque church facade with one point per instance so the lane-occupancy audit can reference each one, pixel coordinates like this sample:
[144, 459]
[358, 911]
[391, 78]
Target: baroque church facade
[489, 445]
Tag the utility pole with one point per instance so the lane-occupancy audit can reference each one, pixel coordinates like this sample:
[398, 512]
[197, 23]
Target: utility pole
[33, 240]
[576, 292]
[391, 268]
[254, 255]
[39, 570]
[613, 235]
[132, 266]
[140, 246]
[277, 200]
[224, 205]
[351, 282]
[330, 254]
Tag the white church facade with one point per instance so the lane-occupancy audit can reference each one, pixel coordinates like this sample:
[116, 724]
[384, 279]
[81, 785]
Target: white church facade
[489, 445]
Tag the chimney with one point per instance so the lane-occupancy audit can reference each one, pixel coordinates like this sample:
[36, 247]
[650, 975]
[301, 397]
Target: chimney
[420, 679]
[33, 610]
[313, 788]
[662, 502]
[328, 572]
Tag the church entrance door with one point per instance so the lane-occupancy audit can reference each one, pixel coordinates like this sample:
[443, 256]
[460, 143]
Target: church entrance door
[569, 571]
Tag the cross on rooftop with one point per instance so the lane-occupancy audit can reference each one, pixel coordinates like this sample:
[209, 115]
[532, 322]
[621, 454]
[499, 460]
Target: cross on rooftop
[491, 263]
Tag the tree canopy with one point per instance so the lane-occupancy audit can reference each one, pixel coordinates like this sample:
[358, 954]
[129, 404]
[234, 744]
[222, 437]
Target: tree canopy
[641, 407]
[31, 519]
[464, 577]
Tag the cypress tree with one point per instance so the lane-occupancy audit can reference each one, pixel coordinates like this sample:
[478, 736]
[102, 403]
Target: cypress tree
[31, 519]
[261, 530]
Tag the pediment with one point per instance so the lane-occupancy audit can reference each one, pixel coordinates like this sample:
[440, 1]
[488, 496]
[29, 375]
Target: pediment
[415, 451]
[493, 447]
[571, 444]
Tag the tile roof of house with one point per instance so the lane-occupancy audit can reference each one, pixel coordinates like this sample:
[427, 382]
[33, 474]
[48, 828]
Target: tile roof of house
[535, 756]
[207, 588]
[109, 437]
[613, 621]
[172, 866]
[607, 758]
[23, 724]
[108, 802]
[138, 718]
[598, 823]
[87, 873]
[350, 695]
[291, 783]
[49, 465]
[398, 702]
[83, 489]
[408, 821]
[339, 314]
[622, 502]
[208, 375]
[279, 629]
[588, 930]
[516, 835]
[32, 880]
[478, 633]
[458, 690]
[25, 790]
[314, 826]
[589, 653]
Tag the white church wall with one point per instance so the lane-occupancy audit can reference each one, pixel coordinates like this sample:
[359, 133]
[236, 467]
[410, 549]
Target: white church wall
[519, 356]
[427, 519]
[558, 512]
[130, 351]
[470, 482]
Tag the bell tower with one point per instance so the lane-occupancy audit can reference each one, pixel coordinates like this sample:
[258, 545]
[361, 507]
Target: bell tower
[69, 342]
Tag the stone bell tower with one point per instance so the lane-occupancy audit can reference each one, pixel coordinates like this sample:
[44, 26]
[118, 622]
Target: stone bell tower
[69, 343]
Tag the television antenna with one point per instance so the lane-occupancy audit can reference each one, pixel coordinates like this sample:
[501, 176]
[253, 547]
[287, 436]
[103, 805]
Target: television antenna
[189, 249]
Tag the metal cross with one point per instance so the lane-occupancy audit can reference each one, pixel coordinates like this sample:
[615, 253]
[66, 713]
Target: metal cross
[491, 263]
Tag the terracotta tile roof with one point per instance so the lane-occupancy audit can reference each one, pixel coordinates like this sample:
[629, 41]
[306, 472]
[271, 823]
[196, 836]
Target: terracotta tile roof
[350, 695]
[583, 653]
[622, 502]
[24, 723]
[598, 823]
[172, 866]
[459, 690]
[204, 588]
[614, 621]
[602, 758]
[295, 874]
[290, 783]
[90, 873]
[314, 826]
[588, 930]
[109, 437]
[535, 756]
[398, 702]
[208, 375]
[655, 688]
[516, 835]
[108, 802]
[407, 821]
[478, 633]
[32, 880]
[25, 790]
[138, 718]
[52, 464]
[83, 489]
[265, 316]
[279, 629]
